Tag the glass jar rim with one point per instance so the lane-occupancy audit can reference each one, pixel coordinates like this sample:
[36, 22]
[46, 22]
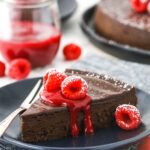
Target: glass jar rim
[27, 2]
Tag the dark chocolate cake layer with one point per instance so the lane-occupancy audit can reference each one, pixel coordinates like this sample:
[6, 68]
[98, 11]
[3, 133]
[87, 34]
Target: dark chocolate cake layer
[43, 122]
[115, 20]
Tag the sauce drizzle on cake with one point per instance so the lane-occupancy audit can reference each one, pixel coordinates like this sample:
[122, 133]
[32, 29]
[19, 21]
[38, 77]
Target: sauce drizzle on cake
[74, 106]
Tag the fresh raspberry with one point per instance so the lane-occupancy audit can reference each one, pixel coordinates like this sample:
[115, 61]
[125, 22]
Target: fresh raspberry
[53, 80]
[2, 69]
[19, 69]
[139, 5]
[74, 87]
[127, 117]
[72, 51]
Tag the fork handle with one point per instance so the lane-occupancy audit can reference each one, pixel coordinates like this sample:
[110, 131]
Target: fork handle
[7, 121]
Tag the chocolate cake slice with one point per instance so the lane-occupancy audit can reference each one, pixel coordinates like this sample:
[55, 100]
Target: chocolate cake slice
[117, 21]
[43, 122]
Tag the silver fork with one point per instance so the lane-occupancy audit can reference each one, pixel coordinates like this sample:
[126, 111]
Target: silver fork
[25, 105]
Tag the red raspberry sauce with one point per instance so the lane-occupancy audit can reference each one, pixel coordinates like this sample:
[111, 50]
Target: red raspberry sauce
[74, 107]
[36, 42]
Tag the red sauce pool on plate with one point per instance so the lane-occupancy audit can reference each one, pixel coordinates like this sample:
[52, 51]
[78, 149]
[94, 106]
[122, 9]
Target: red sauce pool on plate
[36, 42]
[74, 106]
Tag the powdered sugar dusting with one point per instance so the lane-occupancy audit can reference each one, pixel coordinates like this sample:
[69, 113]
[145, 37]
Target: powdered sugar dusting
[143, 1]
[116, 82]
[127, 106]
[52, 70]
[72, 72]
[135, 112]
[58, 74]
[106, 77]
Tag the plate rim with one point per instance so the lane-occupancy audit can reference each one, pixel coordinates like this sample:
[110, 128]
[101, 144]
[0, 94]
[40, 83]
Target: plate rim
[70, 13]
[93, 36]
[21, 144]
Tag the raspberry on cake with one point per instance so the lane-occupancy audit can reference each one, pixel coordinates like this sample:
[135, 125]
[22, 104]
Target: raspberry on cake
[54, 115]
[74, 87]
[53, 79]
[139, 6]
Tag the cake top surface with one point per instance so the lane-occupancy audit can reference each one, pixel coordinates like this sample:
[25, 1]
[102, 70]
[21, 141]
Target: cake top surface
[101, 88]
[101, 85]
[123, 12]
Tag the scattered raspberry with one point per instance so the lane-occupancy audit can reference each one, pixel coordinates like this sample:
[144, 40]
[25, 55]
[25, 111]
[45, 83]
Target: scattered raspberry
[72, 51]
[139, 5]
[2, 69]
[53, 80]
[127, 117]
[74, 87]
[19, 69]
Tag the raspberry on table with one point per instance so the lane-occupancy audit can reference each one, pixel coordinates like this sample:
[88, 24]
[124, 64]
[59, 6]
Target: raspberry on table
[53, 80]
[19, 69]
[2, 69]
[72, 51]
[127, 117]
[74, 87]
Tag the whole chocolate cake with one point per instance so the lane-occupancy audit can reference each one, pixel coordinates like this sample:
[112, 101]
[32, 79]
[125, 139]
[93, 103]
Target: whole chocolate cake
[116, 20]
[43, 122]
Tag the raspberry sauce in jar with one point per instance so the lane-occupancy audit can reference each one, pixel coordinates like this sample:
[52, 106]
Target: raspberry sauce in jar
[30, 30]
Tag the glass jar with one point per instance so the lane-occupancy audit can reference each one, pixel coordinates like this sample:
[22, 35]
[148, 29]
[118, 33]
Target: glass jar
[29, 29]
